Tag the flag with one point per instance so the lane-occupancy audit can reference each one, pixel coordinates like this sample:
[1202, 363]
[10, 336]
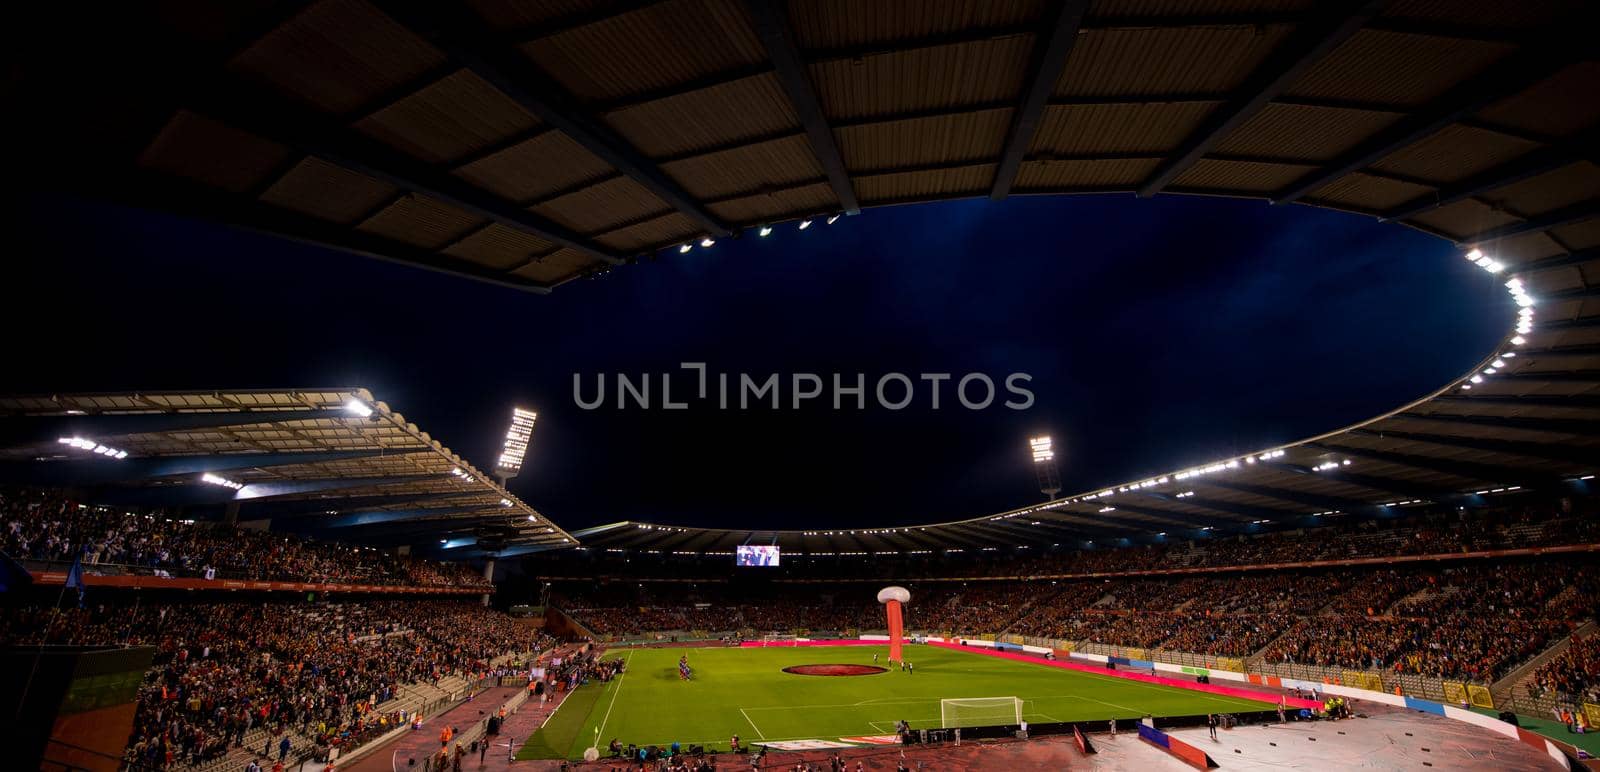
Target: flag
[75, 578]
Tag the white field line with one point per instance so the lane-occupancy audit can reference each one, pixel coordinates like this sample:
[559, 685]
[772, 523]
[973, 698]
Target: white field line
[759, 735]
[614, 693]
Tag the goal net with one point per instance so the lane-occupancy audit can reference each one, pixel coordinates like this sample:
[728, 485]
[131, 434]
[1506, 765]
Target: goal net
[980, 711]
[774, 639]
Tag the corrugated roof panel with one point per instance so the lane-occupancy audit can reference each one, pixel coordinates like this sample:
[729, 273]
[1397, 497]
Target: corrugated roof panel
[750, 107]
[1580, 235]
[1463, 218]
[1522, 14]
[1392, 68]
[1562, 105]
[422, 221]
[1137, 128]
[542, 165]
[1047, 175]
[449, 119]
[1103, 8]
[1209, 173]
[778, 205]
[599, 207]
[1551, 190]
[923, 141]
[505, 14]
[778, 163]
[337, 55]
[556, 266]
[656, 47]
[974, 180]
[1366, 192]
[218, 155]
[1455, 153]
[668, 228]
[1208, 60]
[1297, 131]
[841, 23]
[499, 247]
[923, 79]
[320, 189]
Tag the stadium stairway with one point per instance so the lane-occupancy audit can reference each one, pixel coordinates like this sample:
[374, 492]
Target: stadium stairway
[1512, 689]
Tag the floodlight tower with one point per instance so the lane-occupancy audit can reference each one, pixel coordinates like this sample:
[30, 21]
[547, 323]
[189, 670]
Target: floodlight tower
[1044, 465]
[516, 444]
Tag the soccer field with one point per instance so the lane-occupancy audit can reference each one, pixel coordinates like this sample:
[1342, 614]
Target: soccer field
[746, 692]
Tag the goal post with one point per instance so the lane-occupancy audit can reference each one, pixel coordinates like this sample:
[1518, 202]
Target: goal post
[980, 711]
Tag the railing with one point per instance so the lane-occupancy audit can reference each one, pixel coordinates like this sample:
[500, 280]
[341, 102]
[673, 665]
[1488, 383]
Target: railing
[50, 568]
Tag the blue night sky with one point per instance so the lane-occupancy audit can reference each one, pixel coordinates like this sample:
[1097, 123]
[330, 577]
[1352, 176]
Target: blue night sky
[1159, 334]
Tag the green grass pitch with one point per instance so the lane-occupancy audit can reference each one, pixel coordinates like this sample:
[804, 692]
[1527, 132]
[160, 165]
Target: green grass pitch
[746, 692]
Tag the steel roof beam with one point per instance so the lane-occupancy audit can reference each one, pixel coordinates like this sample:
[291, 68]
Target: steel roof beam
[262, 510]
[48, 428]
[1532, 450]
[772, 25]
[1576, 257]
[1370, 482]
[469, 41]
[1517, 72]
[1183, 520]
[1551, 425]
[1583, 210]
[1316, 500]
[383, 517]
[97, 470]
[1227, 507]
[263, 490]
[270, 117]
[148, 191]
[1327, 29]
[1051, 50]
[1578, 402]
[1463, 469]
[1527, 166]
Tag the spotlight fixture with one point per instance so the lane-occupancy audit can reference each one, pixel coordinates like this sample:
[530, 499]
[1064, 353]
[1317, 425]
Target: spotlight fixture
[806, 223]
[90, 445]
[358, 408]
[684, 249]
[222, 481]
[766, 230]
[707, 241]
[833, 219]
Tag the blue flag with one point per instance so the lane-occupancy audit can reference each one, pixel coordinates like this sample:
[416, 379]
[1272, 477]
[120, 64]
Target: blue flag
[75, 578]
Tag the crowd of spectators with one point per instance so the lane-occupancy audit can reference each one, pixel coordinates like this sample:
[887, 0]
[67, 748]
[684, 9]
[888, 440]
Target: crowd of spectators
[309, 673]
[1573, 675]
[48, 526]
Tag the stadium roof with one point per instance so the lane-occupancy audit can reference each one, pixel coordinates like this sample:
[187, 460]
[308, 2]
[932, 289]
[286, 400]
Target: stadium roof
[334, 462]
[531, 143]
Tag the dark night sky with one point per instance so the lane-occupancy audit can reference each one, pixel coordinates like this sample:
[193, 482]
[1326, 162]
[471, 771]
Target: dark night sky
[1158, 333]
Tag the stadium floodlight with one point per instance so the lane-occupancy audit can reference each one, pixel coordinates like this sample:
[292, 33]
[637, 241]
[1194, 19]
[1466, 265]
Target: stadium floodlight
[94, 447]
[532, 519]
[806, 223]
[766, 230]
[1474, 254]
[1044, 465]
[516, 444]
[222, 481]
[707, 242]
[359, 408]
[833, 219]
[684, 249]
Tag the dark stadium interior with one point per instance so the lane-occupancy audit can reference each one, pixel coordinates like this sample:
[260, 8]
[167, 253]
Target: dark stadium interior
[1301, 290]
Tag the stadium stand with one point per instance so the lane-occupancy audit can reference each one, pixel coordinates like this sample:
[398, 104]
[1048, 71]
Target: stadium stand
[230, 678]
[49, 527]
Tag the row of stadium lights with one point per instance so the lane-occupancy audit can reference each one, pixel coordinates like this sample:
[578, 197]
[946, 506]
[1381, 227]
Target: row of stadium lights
[764, 231]
[1525, 304]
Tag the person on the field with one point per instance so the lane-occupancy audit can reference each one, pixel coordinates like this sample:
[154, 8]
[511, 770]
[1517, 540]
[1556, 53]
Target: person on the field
[874, 658]
[911, 668]
[1211, 723]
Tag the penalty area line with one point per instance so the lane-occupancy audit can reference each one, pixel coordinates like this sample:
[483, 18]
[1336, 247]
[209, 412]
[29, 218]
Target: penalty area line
[759, 734]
